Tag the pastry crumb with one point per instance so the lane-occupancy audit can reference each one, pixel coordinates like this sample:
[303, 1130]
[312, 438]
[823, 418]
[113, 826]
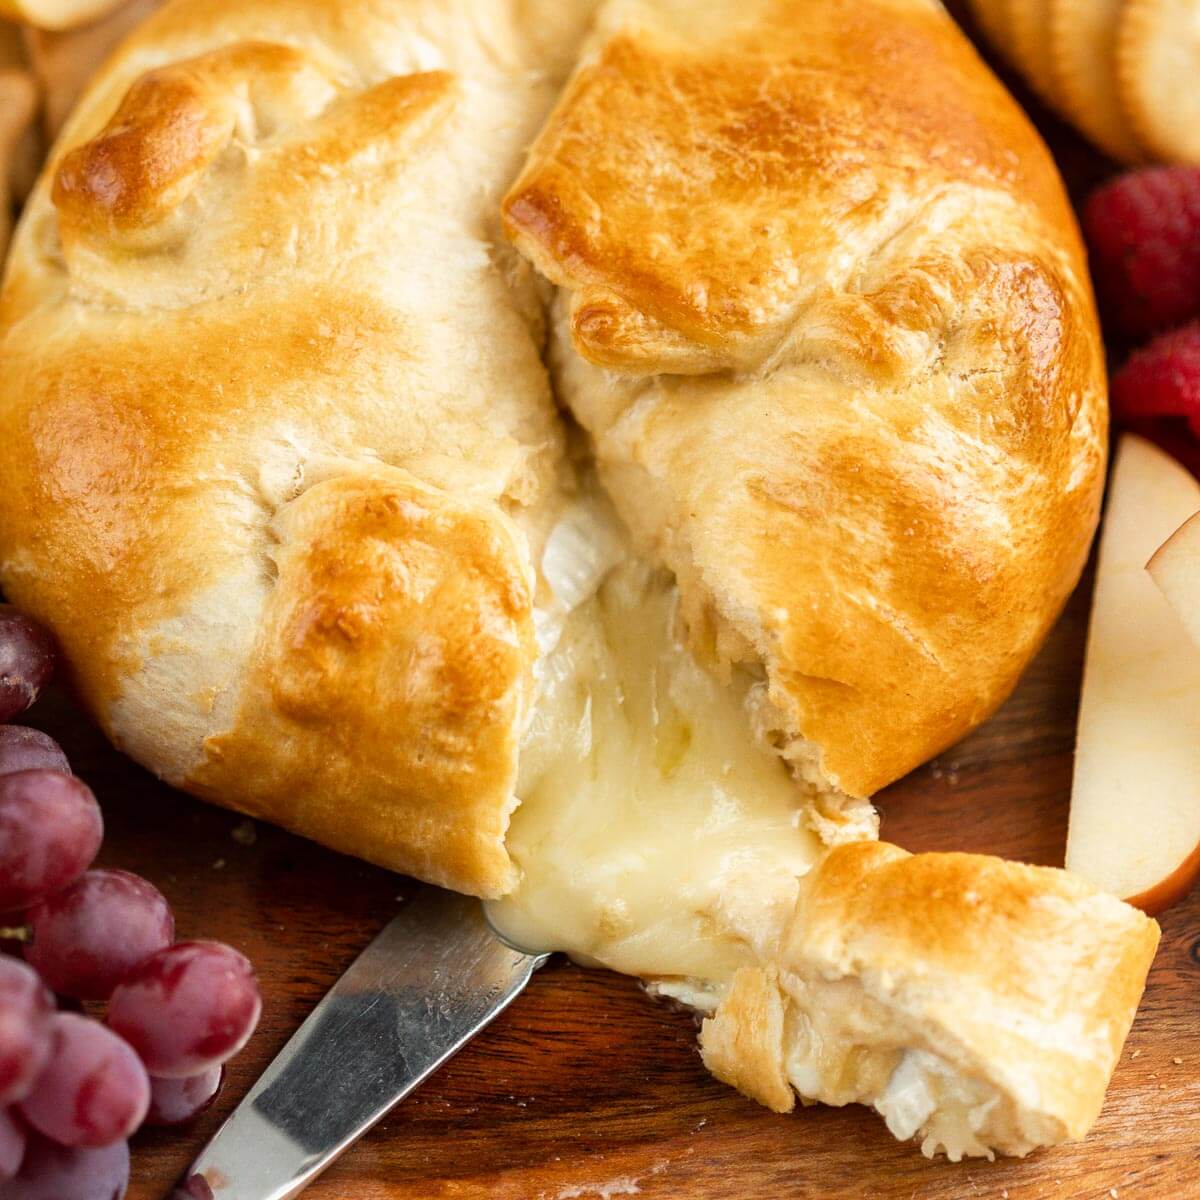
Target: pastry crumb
[1135, 1054]
[1177, 1061]
[1113, 1193]
[244, 833]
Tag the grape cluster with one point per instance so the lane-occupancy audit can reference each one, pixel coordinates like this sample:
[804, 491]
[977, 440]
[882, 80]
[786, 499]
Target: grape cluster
[73, 1088]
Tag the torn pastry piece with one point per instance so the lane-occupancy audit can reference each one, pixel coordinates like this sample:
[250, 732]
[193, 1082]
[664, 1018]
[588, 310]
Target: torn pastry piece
[853, 401]
[812, 382]
[978, 1005]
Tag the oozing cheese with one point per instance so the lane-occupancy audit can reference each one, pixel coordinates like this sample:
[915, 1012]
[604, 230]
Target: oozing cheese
[647, 803]
[660, 836]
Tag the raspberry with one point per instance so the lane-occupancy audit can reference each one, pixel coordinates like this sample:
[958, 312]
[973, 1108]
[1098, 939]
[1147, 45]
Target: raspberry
[1143, 231]
[1161, 380]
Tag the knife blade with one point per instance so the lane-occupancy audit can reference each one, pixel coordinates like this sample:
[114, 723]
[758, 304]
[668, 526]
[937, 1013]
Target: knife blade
[431, 980]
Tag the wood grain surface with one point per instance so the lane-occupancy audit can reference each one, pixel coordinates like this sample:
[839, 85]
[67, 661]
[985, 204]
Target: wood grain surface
[586, 1087]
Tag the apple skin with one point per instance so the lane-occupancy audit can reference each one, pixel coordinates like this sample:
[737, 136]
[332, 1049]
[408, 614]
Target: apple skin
[1135, 804]
[1171, 890]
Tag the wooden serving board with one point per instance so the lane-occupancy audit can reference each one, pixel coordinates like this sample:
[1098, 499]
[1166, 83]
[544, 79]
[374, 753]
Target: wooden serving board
[586, 1087]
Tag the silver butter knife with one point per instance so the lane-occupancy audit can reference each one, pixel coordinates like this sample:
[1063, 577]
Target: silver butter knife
[433, 978]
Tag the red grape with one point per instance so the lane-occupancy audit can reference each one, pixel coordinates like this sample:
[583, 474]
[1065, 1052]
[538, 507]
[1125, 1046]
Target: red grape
[25, 1011]
[25, 749]
[176, 1101]
[89, 936]
[12, 1143]
[52, 1172]
[26, 661]
[93, 1091]
[187, 1008]
[50, 830]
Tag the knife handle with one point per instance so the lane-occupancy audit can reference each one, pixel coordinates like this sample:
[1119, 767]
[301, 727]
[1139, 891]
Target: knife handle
[431, 980]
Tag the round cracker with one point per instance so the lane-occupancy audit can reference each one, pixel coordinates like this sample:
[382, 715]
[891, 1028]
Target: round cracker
[1083, 55]
[1158, 59]
[1029, 30]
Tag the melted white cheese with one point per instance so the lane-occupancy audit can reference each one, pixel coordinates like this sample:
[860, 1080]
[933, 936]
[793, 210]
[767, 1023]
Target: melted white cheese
[646, 800]
[658, 835]
[953, 1115]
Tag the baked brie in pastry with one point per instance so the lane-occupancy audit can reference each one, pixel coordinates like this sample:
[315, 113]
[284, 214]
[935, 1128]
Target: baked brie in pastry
[283, 331]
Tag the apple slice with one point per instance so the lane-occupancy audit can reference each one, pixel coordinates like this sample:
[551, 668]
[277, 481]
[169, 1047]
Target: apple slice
[1175, 567]
[1135, 801]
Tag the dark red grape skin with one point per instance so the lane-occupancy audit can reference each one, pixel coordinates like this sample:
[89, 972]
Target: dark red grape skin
[27, 653]
[12, 1143]
[187, 1008]
[89, 936]
[26, 1007]
[177, 1101]
[50, 830]
[25, 749]
[93, 1090]
[52, 1172]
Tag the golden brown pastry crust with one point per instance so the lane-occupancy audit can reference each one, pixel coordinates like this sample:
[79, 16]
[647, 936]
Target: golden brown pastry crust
[832, 333]
[1021, 979]
[282, 447]
[391, 666]
[743, 1045]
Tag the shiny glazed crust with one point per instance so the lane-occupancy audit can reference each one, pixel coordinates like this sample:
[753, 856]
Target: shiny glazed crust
[832, 334]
